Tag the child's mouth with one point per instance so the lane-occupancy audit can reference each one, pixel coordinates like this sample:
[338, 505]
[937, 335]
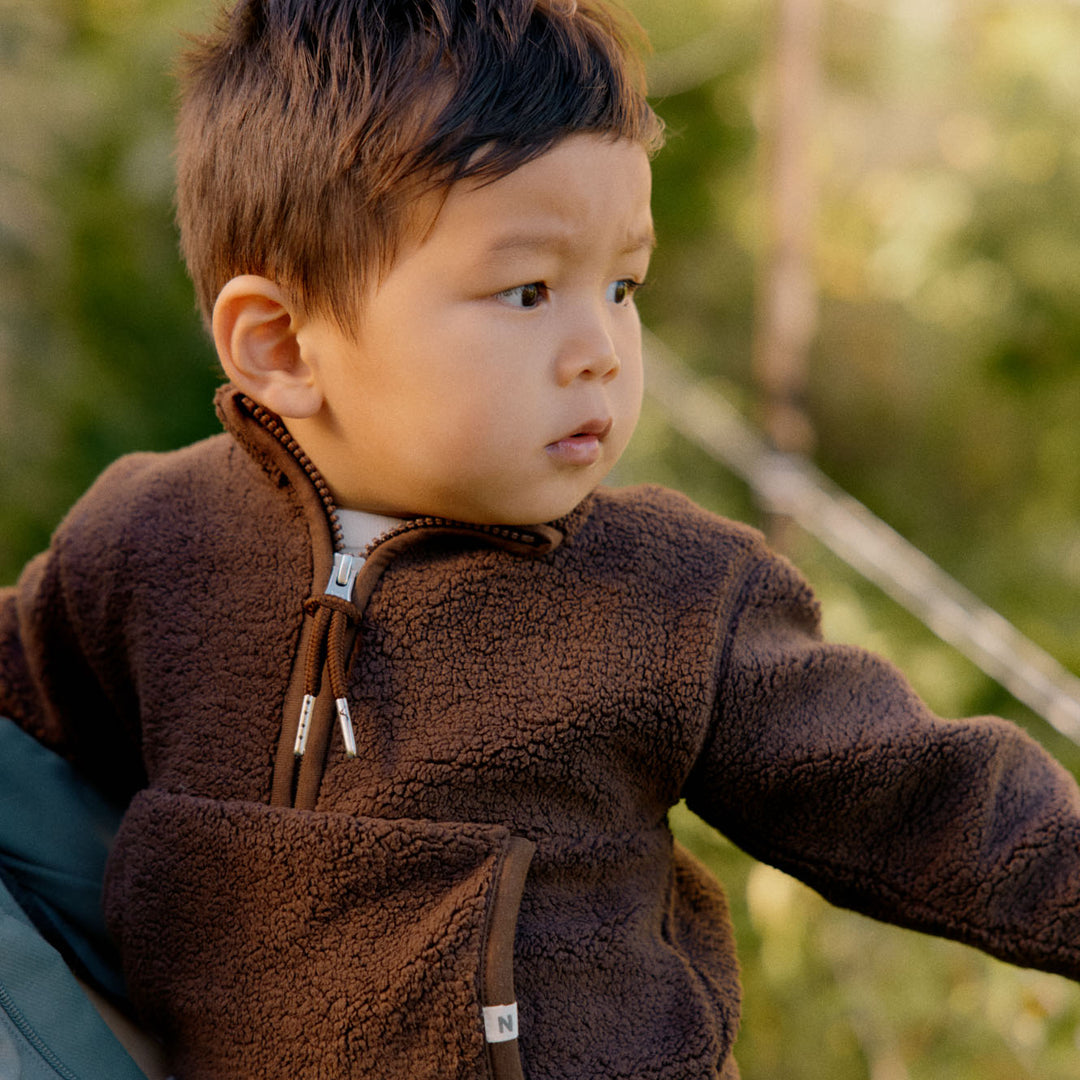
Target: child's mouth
[582, 447]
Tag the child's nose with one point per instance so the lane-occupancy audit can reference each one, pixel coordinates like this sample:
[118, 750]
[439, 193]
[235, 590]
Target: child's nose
[588, 352]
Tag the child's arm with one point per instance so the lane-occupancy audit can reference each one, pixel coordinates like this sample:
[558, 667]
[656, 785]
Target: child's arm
[63, 673]
[62, 666]
[823, 762]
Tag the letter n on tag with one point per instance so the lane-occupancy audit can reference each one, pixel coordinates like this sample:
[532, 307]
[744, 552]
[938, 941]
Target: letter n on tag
[501, 1022]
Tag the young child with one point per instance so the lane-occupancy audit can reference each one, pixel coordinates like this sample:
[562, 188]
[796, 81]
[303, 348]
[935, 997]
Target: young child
[400, 697]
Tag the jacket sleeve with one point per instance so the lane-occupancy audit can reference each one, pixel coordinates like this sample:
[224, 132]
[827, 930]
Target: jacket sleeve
[64, 675]
[823, 762]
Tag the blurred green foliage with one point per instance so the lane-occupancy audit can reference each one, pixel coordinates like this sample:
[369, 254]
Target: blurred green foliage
[945, 394]
[945, 390]
[100, 348]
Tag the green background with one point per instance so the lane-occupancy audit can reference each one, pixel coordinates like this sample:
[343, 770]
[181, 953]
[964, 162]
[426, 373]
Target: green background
[944, 389]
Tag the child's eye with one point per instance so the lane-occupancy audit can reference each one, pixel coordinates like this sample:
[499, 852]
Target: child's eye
[524, 296]
[622, 291]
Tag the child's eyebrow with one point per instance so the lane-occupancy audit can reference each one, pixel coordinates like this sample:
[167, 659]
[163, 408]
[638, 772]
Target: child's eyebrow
[643, 241]
[559, 240]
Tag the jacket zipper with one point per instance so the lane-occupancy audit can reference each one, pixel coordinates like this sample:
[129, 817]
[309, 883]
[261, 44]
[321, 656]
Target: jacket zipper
[271, 422]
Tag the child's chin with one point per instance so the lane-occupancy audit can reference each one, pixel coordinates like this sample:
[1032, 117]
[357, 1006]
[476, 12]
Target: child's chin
[551, 503]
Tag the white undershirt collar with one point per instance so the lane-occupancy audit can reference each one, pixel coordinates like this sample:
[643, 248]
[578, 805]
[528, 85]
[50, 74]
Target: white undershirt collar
[359, 528]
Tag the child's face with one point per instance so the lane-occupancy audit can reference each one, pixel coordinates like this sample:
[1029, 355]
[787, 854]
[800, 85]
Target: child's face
[495, 374]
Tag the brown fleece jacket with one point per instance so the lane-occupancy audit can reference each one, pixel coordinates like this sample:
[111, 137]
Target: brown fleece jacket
[527, 706]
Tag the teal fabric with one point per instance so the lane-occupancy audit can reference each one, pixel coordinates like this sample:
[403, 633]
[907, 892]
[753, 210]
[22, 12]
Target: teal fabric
[54, 838]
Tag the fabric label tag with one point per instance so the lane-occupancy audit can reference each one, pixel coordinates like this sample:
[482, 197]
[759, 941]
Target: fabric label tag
[501, 1022]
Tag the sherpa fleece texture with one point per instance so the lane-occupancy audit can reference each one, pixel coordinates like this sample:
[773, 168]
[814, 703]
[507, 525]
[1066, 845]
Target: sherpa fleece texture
[524, 723]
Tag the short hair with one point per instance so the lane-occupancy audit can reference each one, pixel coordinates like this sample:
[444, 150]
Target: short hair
[308, 127]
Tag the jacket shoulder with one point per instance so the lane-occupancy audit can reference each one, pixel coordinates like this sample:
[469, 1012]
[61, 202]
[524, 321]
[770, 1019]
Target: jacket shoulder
[148, 513]
[147, 486]
[149, 475]
[671, 524]
[659, 543]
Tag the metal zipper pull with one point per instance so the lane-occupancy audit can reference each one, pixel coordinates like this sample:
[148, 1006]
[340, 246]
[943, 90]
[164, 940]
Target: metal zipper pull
[343, 576]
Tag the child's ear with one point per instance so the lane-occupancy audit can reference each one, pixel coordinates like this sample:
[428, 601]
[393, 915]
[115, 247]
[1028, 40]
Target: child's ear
[255, 327]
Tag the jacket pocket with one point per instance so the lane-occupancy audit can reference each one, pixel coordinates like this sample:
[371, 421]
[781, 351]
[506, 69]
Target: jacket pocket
[626, 962]
[266, 942]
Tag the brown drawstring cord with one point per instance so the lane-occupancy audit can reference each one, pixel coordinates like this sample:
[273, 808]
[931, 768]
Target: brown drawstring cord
[333, 616]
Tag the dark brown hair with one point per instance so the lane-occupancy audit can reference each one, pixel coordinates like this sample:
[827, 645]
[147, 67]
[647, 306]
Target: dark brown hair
[307, 127]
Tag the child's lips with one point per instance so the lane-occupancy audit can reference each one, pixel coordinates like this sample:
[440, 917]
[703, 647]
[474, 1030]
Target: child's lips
[583, 446]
